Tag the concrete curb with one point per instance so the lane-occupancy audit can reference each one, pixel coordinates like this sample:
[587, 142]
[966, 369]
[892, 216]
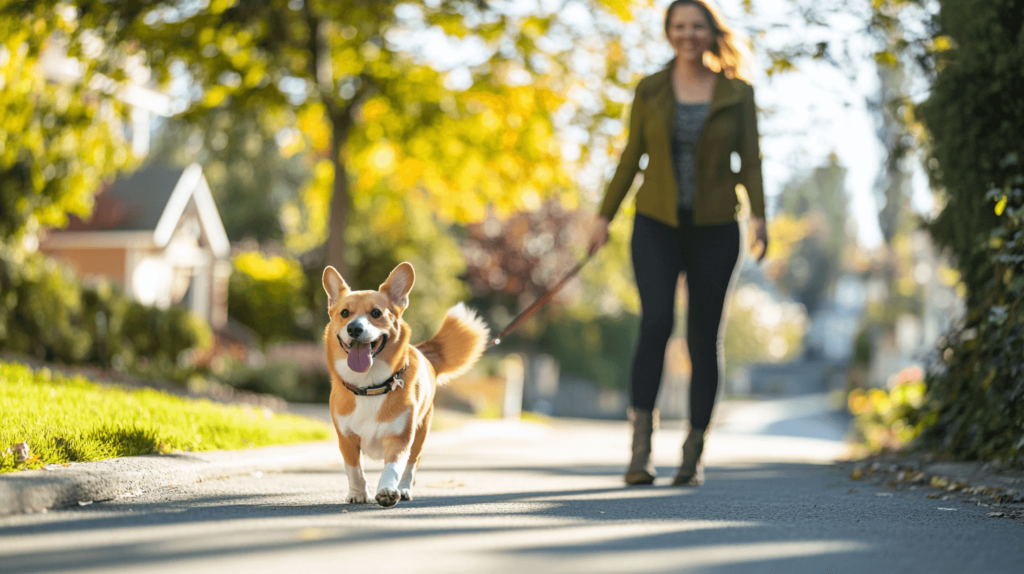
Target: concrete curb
[82, 483]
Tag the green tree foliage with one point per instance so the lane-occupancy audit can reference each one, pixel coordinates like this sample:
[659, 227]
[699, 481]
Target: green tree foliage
[975, 116]
[363, 97]
[395, 146]
[251, 181]
[815, 204]
[512, 262]
[265, 294]
[387, 231]
[599, 349]
[58, 139]
[281, 297]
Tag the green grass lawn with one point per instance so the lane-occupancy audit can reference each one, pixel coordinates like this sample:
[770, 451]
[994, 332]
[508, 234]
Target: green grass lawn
[70, 419]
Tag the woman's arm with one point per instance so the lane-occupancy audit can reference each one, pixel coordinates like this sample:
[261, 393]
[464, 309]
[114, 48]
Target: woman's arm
[750, 156]
[598, 234]
[758, 237]
[629, 161]
[750, 174]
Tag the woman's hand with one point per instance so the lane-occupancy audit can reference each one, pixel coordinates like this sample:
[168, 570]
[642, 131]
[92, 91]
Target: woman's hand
[598, 234]
[758, 237]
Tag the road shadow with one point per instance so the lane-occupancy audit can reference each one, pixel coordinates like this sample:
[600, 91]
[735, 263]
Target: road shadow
[728, 498]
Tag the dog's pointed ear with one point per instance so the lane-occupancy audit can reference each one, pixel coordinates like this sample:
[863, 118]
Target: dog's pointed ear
[399, 284]
[334, 285]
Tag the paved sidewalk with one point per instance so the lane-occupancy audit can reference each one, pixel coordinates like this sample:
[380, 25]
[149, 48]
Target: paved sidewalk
[85, 483]
[804, 429]
[504, 496]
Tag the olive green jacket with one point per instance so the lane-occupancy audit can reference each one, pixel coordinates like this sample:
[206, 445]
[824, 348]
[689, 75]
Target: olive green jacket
[730, 126]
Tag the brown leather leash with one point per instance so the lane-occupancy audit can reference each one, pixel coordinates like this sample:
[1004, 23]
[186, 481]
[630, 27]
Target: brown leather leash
[538, 303]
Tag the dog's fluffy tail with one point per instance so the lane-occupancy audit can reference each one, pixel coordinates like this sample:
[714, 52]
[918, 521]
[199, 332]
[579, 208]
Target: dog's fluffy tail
[457, 345]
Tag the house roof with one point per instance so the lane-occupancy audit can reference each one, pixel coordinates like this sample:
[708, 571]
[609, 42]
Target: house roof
[133, 203]
[153, 199]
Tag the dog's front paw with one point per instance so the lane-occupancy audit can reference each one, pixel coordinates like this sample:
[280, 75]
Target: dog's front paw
[358, 497]
[387, 497]
[406, 493]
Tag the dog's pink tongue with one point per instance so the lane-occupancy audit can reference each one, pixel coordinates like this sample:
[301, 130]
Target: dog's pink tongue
[359, 359]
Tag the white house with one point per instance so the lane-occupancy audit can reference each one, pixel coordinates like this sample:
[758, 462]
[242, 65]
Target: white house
[156, 232]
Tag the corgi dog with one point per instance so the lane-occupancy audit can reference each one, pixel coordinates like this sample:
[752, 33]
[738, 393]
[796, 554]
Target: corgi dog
[382, 386]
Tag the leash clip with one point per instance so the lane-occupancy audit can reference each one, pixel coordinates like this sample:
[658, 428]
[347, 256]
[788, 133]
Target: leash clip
[398, 382]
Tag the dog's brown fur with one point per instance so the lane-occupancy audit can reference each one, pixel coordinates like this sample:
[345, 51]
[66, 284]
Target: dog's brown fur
[375, 424]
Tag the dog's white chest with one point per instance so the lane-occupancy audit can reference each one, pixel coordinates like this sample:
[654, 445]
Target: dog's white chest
[362, 422]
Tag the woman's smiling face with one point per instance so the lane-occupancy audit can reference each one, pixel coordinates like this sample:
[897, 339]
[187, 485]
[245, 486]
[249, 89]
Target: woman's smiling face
[689, 33]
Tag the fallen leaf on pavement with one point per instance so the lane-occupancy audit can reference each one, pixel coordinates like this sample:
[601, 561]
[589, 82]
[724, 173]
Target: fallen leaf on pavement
[948, 509]
[996, 514]
[934, 495]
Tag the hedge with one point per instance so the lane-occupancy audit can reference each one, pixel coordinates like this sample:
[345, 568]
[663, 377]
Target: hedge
[47, 313]
[975, 117]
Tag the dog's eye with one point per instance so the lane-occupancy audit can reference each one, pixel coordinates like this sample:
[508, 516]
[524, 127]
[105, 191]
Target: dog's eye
[375, 313]
[344, 313]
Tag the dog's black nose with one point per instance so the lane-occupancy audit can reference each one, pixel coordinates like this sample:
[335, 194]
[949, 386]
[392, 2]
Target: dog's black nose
[354, 330]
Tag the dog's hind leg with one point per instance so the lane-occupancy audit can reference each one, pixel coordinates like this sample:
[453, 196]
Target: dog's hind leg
[357, 492]
[409, 476]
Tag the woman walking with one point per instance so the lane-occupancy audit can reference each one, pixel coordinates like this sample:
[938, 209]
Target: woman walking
[691, 119]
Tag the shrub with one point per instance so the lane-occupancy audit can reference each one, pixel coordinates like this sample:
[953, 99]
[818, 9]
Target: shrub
[283, 379]
[890, 420]
[599, 349]
[47, 313]
[266, 295]
[975, 116]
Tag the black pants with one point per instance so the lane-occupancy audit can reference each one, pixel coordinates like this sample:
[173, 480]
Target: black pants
[708, 256]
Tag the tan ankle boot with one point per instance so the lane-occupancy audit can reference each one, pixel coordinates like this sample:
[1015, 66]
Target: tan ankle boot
[691, 471]
[641, 469]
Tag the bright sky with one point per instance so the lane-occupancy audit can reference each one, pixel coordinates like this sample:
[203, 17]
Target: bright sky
[807, 114]
[819, 109]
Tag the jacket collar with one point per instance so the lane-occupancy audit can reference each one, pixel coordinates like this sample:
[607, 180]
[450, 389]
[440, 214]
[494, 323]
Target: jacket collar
[726, 92]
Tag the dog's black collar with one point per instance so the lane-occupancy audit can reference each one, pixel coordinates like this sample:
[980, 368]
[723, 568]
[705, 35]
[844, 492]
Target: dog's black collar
[392, 382]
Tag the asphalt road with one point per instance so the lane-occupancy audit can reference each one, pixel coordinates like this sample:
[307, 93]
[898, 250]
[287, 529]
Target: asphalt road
[518, 497]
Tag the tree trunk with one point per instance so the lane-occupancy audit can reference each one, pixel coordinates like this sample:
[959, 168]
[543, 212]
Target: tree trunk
[893, 133]
[340, 203]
